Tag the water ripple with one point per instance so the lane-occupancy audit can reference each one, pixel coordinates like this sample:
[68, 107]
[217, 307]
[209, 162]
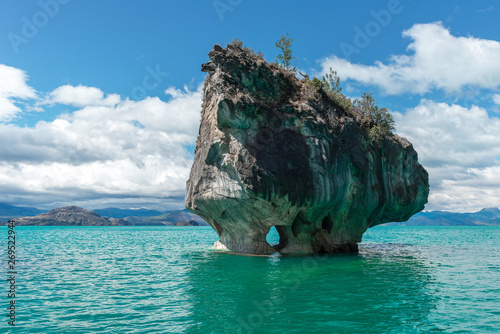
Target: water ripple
[167, 280]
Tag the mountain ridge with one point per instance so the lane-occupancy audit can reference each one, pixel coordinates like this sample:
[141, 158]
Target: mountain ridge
[484, 217]
[77, 216]
[13, 211]
[66, 216]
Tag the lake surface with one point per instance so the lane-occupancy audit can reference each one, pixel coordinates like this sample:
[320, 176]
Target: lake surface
[168, 280]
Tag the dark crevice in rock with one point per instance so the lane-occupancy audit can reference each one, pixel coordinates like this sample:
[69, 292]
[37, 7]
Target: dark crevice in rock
[218, 228]
[297, 224]
[327, 224]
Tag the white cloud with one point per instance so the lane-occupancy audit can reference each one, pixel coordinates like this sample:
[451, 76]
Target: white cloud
[477, 188]
[459, 148]
[81, 96]
[496, 98]
[12, 86]
[486, 10]
[7, 109]
[128, 151]
[438, 60]
[155, 177]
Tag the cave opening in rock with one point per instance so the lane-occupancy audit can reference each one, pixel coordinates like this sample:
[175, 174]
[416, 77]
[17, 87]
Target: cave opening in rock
[273, 237]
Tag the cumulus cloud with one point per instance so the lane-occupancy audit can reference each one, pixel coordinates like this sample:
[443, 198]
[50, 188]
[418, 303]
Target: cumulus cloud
[460, 148]
[155, 178]
[81, 96]
[13, 86]
[436, 60]
[108, 152]
[496, 98]
[130, 129]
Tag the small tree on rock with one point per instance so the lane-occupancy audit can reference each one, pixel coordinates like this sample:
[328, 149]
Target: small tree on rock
[285, 57]
[379, 121]
[332, 83]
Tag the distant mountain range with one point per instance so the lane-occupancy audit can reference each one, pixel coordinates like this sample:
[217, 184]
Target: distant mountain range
[67, 216]
[10, 211]
[76, 216]
[144, 217]
[485, 217]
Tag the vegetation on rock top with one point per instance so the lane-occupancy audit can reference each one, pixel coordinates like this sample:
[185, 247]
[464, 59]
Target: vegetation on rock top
[379, 121]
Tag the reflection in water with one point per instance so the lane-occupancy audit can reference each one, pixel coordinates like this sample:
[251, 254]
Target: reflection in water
[386, 288]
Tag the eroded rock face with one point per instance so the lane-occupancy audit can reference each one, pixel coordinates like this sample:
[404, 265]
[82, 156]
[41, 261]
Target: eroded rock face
[273, 152]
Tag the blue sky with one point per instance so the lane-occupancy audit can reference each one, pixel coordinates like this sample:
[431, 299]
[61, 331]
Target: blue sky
[100, 100]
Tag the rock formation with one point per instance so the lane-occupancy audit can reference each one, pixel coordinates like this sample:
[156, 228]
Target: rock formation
[271, 151]
[66, 216]
[76, 216]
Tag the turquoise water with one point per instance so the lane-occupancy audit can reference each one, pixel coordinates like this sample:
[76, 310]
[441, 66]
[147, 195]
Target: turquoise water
[168, 280]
